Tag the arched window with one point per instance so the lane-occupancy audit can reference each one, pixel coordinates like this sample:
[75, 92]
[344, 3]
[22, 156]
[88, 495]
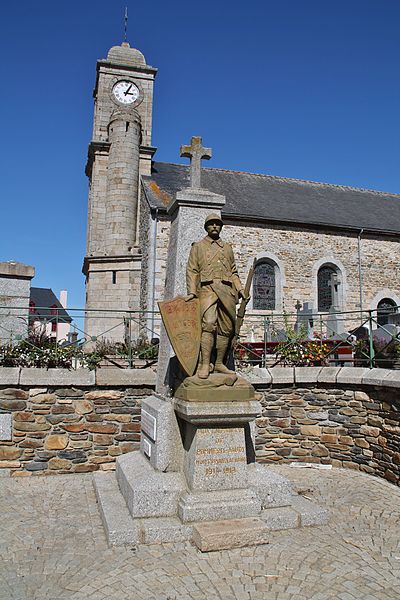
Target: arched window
[386, 307]
[264, 286]
[325, 288]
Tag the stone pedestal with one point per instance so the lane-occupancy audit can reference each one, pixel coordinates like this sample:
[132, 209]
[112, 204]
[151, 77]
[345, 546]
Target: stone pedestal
[196, 468]
[217, 451]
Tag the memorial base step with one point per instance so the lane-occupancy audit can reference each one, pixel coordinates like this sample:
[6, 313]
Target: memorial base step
[124, 530]
[228, 534]
[217, 505]
[147, 492]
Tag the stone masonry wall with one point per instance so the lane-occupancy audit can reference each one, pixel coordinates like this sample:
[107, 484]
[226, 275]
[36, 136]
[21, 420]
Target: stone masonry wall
[73, 427]
[69, 430]
[300, 252]
[147, 229]
[344, 417]
[344, 428]
[146, 242]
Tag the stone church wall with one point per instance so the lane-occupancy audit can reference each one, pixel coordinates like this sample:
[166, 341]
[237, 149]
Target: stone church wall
[299, 253]
[96, 207]
[145, 246]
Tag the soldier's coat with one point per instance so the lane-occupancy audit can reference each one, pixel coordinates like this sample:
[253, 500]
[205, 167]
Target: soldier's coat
[212, 276]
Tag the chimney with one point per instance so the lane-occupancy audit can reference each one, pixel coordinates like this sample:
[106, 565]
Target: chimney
[63, 298]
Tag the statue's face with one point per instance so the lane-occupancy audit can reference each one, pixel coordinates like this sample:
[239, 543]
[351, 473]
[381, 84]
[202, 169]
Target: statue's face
[213, 229]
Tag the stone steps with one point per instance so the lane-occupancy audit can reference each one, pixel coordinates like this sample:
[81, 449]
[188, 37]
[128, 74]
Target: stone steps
[121, 529]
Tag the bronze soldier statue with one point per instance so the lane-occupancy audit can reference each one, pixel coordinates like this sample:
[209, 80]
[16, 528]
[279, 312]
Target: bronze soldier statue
[212, 277]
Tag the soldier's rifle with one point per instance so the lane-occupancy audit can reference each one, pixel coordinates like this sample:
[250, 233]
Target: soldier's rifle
[243, 303]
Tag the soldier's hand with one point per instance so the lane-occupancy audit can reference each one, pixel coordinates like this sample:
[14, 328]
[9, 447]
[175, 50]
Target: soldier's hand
[190, 297]
[242, 294]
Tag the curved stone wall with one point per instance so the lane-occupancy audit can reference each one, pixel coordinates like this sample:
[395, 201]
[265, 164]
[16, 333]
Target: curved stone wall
[341, 417]
[59, 421]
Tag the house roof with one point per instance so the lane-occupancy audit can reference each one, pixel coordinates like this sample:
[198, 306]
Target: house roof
[269, 198]
[44, 299]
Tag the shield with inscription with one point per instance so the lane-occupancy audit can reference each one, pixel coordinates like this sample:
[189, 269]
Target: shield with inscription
[182, 322]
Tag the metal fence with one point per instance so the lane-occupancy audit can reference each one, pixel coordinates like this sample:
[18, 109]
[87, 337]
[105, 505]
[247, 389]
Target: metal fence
[129, 339]
[369, 338]
[48, 336]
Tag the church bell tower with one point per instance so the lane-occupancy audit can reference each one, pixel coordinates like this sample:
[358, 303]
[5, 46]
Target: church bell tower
[120, 151]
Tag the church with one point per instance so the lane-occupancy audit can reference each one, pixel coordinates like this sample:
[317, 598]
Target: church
[315, 244]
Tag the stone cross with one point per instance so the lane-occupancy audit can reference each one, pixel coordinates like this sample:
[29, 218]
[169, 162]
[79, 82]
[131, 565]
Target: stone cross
[334, 283]
[196, 153]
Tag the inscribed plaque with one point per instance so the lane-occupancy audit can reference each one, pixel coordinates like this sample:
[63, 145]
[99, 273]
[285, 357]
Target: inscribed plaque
[146, 447]
[149, 425]
[217, 459]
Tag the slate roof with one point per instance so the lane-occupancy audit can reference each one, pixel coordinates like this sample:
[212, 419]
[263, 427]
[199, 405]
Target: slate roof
[277, 199]
[44, 299]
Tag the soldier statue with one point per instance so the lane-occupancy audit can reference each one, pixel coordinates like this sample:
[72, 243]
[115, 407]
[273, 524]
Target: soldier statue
[212, 277]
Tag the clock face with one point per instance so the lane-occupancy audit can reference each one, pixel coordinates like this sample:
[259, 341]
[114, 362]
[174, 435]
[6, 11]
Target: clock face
[125, 92]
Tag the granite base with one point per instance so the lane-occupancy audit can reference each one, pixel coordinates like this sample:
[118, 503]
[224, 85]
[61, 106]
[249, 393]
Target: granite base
[196, 476]
[216, 505]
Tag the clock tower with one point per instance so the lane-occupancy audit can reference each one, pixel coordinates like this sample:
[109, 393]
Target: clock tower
[120, 151]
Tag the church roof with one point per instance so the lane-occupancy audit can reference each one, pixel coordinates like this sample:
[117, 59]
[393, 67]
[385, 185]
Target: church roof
[278, 199]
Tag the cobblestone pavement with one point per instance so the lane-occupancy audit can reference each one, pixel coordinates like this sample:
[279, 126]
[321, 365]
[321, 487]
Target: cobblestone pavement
[52, 546]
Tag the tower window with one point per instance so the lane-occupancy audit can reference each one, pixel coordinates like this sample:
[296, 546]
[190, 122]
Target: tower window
[127, 126]
[114, 276]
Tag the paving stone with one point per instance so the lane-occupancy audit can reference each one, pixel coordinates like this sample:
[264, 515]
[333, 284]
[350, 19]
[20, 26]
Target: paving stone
[53, 546]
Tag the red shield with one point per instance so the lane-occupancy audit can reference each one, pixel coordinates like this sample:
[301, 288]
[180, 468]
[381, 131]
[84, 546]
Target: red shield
[182, 322]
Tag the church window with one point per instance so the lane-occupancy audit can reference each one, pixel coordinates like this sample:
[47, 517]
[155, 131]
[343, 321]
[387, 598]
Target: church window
[114, 276]
[386, 307]
[325, 292]
[264, 286]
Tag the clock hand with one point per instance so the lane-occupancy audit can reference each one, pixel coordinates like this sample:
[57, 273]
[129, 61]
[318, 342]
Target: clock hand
[127, 91]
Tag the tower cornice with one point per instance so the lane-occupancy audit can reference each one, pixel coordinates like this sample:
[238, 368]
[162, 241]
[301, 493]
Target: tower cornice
[112, 65]
[112, 68]
[103, 147]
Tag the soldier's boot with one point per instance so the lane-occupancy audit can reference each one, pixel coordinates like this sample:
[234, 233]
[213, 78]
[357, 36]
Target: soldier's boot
[206, 345]
[222, 346]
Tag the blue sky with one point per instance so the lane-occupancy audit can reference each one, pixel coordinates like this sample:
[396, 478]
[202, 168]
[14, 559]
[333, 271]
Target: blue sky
[299, 88]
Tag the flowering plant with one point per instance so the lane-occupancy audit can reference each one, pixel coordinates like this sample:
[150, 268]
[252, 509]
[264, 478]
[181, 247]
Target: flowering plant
[297, 351]
[41, 351]
[25, 354]
[302, 353]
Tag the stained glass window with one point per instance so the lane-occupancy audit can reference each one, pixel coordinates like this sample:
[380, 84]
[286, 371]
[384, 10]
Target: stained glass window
[386, 307]
[325, 296]
[264, 286]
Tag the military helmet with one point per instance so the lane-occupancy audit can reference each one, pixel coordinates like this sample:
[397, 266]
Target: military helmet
[213, 217]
